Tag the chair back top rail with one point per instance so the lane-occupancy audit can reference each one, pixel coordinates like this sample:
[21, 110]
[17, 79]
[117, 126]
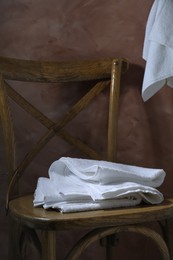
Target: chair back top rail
[52, 71]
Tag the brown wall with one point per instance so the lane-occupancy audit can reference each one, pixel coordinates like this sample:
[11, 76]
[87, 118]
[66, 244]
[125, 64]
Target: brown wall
[64, 30]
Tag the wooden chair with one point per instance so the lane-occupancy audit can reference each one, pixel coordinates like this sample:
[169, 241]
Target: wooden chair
[26, 220]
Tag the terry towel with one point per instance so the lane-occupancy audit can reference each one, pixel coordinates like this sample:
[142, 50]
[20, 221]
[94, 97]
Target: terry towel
[79, 185]
[158, 48]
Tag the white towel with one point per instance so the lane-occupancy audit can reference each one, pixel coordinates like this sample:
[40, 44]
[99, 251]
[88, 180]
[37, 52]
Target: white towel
[79, 185]
[104, 172]
[158, 48]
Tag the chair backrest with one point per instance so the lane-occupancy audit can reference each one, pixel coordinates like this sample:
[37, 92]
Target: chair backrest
[104, 73]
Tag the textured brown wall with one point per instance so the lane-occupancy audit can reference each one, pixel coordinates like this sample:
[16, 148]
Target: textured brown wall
[64, 30]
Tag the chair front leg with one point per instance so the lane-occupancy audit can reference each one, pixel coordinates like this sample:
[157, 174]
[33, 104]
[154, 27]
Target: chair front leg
[48, 240]
[23, 241]
[168, 234]
[13, 241]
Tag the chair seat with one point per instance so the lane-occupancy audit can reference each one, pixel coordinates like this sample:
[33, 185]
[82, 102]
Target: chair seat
[23, 211]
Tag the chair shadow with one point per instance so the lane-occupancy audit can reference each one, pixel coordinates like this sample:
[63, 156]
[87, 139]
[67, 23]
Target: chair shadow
[146, 128]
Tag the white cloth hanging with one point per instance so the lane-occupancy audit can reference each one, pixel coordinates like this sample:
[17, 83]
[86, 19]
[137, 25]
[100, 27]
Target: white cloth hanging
[158, 48]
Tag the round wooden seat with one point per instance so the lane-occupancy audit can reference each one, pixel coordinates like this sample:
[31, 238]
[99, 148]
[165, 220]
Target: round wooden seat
[23, 211]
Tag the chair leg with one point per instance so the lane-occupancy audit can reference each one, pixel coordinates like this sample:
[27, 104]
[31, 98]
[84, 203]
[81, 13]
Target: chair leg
[110, 243]
[20, 237]
[110, 252]
[13, 243]
[48, 245]
[30, 238]
[168, 233]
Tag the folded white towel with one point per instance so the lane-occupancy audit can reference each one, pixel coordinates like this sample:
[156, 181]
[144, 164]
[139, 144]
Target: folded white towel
[104, 172]
[158, 48]
[80, 185]
[75, 206]
[110, 196]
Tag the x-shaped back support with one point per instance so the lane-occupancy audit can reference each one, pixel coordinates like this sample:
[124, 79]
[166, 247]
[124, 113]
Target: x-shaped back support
[57, 128]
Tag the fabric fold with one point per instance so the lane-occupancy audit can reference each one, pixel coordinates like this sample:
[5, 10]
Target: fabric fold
[104, 172]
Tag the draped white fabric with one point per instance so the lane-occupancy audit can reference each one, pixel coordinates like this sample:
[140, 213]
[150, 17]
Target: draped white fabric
[158, 48]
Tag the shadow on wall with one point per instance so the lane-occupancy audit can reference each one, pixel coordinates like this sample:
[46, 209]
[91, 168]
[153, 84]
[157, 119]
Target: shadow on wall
[145, 134]
[160, 119]
[134, 146]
